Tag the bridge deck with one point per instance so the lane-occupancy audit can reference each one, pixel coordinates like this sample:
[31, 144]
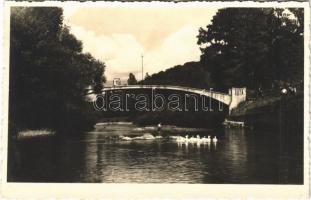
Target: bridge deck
[171, 87]
[222, 97]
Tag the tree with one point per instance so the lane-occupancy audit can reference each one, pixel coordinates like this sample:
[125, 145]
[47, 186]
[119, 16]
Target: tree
[48, 71]
[190, 74]
[253, 46]
[131, 80]
[147, 76]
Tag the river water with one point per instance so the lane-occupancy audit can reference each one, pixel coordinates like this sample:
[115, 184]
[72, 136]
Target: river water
[239, 156]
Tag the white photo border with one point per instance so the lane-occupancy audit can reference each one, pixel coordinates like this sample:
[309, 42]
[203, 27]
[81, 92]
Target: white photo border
[103, 190]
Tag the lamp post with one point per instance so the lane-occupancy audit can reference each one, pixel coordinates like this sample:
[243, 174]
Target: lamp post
[142, 67]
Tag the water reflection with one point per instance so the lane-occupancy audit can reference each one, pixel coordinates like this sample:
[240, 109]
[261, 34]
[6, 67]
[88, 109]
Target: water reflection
[239, 156]
[197, 146]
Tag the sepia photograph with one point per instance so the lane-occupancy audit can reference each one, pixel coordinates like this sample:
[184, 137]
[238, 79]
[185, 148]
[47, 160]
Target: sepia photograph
[157, 93]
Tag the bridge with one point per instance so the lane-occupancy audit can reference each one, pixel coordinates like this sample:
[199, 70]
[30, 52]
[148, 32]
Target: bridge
[232, 99]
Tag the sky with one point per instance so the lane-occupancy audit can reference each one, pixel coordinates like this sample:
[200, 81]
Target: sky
[119, 36]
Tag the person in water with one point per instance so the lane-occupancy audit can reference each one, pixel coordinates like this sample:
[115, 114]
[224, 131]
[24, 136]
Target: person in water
[159, 131]
[159, 127]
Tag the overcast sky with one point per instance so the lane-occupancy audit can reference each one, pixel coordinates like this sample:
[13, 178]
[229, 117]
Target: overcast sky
[119, 36]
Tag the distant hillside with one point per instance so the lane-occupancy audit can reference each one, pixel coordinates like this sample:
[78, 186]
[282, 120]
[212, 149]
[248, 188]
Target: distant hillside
[191, 74]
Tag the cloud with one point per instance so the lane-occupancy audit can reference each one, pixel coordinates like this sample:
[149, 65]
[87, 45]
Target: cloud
[177, 48]
[120, 52]
[119, 36]
[150, 25]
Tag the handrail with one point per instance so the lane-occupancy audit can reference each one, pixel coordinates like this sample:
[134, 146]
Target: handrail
[159, 87]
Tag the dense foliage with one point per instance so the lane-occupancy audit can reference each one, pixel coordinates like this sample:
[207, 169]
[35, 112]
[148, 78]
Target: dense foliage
[132, 79]
[49, 72]
[252, 47]
[191, 74]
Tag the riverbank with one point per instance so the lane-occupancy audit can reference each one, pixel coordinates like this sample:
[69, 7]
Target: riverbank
[206, 120]
[190, 119]
[271, 112]
[34, 133]
[136, 129]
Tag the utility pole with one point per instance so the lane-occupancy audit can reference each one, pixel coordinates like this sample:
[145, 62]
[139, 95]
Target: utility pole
[142, 67]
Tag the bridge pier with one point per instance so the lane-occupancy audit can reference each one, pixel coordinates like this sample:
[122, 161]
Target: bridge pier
[238, 95]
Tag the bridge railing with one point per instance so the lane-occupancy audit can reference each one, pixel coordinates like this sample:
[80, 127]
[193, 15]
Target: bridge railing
[162, 87]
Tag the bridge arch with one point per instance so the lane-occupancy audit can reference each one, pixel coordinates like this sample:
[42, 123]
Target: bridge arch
[232, 99]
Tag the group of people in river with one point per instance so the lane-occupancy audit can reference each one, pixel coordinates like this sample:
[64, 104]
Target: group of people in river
[196, 139]
[178, 139]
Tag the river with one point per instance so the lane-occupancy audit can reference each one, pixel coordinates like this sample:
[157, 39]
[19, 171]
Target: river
[239, 156]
